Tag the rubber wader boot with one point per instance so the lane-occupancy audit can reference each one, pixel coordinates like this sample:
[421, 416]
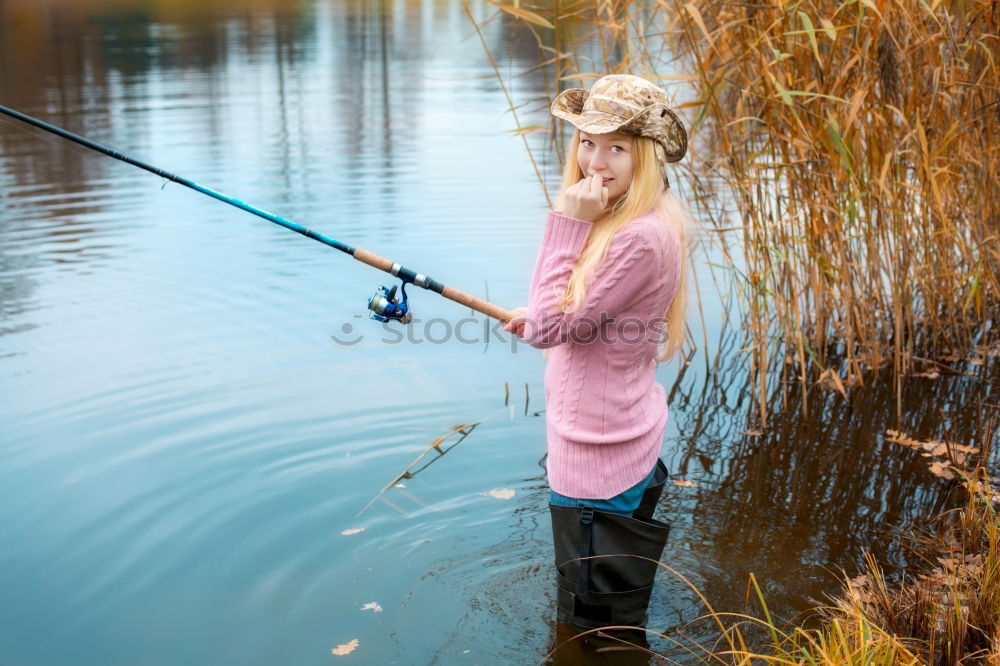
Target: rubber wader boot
[651, 496]
[623, 647]
[604, 591]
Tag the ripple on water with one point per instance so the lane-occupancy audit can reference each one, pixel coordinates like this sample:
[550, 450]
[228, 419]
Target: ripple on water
[165, 503]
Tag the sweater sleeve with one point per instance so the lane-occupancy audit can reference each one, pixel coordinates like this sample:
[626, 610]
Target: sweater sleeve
[614, 284]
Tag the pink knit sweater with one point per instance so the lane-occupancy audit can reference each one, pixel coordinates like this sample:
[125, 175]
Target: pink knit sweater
[605, 411]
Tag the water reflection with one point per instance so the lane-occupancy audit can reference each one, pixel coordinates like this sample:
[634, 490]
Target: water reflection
[802, 501]
[797, 505]
[178, 432]
[342, 113]
[607, 648]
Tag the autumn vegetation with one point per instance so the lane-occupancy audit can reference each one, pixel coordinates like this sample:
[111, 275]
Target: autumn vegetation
[943, 608]
[946, 610]
[860, 141]
[845, 156]
[845, 161]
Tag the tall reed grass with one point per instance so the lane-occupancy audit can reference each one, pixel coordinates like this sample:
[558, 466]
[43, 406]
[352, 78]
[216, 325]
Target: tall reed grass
[861, 141]
[857, 141]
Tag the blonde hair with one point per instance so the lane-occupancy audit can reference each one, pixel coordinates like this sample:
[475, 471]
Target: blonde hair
[645, 192]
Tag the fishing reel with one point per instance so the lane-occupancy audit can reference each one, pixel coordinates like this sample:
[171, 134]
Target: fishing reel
[385, 306]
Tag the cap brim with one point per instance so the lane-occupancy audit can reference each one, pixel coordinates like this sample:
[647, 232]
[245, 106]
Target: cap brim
[657, 122]
[660, 123]
[596, 122]
[569, 102]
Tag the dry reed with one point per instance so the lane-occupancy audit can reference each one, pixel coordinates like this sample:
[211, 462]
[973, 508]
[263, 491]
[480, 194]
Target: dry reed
[951, 611]
[949, 614]
[857, 141]
[860, 139]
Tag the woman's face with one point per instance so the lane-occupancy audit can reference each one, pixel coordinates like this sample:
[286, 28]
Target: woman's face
[610, 156]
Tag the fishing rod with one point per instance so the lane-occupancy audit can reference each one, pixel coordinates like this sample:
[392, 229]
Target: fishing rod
[384, 305]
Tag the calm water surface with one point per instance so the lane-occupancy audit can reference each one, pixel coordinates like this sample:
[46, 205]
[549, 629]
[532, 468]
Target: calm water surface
[194, 408]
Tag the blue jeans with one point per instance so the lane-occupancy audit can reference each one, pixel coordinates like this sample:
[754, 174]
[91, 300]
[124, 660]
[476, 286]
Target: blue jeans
[623, 504]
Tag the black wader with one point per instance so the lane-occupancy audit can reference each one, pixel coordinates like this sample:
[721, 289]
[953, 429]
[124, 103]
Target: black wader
[604, 591]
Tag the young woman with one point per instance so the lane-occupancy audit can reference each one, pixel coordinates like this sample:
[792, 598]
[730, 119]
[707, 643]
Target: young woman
[607, 297]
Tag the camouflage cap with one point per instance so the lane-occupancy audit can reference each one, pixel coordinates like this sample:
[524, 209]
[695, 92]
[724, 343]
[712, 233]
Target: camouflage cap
[626, 104]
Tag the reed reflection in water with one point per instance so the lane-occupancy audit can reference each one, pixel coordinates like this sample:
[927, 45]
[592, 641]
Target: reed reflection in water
[181, 445]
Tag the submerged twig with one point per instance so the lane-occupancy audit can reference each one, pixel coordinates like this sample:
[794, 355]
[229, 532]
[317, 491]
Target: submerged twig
[408, 473]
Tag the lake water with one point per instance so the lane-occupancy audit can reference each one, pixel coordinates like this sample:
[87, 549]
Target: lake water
[194, 406]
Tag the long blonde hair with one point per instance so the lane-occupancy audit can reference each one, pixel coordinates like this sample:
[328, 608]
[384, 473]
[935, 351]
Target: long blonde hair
[645, 192]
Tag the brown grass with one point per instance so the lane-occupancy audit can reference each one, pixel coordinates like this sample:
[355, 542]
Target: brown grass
[861, 141]
[857, 141]
[948, 614]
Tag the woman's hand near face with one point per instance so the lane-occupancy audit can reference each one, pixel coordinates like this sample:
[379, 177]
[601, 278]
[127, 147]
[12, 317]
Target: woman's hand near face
[586, 200]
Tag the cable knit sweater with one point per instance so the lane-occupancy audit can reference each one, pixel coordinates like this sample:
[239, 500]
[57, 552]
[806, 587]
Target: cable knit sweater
[605, 411]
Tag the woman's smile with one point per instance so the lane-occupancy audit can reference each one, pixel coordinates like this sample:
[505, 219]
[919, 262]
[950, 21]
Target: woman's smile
[610, 157]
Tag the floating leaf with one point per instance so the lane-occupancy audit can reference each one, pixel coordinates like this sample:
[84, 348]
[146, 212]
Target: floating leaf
[936, 448]
[933, 447]
[984, 350]
[346, 648]
[500, 493]
[900, 438]
[684, 483]
[353, 530]
[372, 606]
[940, 468]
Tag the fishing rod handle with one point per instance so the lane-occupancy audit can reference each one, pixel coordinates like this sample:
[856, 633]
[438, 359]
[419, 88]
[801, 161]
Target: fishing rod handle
[477, 304]
[373, 260]
[457, 295]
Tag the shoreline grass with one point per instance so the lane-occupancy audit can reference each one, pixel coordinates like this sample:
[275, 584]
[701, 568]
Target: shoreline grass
[945, 611]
